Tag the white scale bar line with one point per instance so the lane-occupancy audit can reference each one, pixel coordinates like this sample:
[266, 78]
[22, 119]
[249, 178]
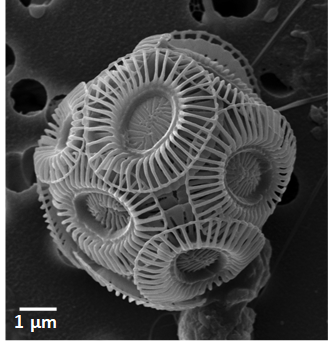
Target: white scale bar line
[38, 309]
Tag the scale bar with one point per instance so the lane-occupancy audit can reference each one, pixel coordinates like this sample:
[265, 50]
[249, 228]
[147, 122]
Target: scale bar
[38, 309]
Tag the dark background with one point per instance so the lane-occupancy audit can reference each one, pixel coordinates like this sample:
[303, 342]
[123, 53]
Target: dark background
[47, 54]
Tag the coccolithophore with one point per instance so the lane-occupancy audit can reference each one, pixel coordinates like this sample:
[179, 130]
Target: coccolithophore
[161, 171]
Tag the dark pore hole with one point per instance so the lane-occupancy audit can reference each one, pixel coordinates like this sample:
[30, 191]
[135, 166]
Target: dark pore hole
[29, 96]
[10, 59]
[197, 9]
[291, 191]
[64, 259]
[235, 8]
[27, 3]
[272, 84]
[164, 327]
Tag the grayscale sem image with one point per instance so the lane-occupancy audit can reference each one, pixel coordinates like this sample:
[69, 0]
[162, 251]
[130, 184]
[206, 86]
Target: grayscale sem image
[166, 170]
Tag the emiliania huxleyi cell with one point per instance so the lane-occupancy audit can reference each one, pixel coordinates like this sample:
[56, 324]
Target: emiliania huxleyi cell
[158, 175]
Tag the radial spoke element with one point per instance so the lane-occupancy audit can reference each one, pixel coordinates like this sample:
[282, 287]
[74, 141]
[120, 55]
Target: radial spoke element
[61, 148]
[148, 117]
[245, 167]
[214, 54]
[181, 263]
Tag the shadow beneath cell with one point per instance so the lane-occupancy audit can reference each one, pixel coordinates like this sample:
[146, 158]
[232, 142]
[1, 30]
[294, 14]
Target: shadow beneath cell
[53, 104]
[165, 327]
[291, 191]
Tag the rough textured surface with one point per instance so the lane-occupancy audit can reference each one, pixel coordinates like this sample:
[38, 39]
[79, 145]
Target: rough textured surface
[227, 317]
[67, 45]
